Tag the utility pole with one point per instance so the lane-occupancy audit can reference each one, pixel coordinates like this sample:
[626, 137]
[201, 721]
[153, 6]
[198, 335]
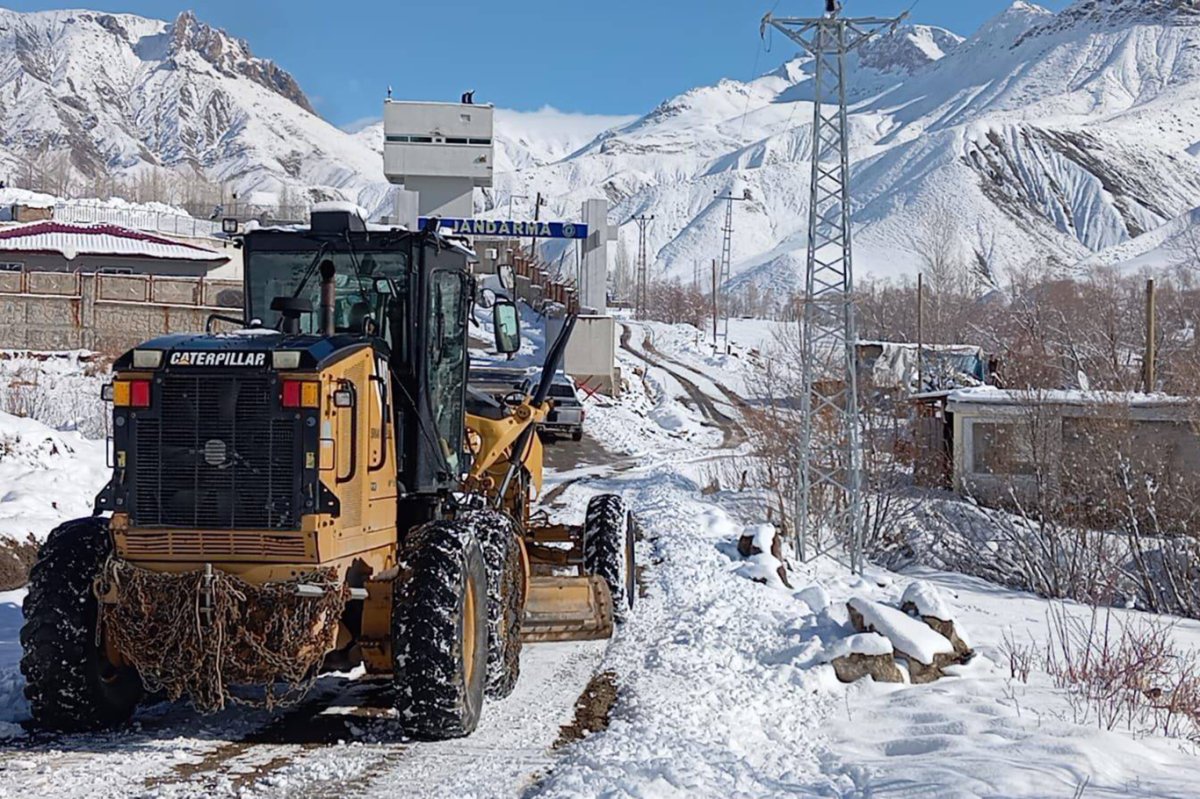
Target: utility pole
[537, 215]
[715, 308]
[830, 457]
[727, 250]
[640, 296]
[920, 332]
[1151, 356]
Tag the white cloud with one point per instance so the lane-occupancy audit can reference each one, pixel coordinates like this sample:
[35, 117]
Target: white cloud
[358, 125]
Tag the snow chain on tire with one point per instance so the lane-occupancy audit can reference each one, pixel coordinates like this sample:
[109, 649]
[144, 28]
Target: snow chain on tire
[69, 683]
[608, 549]
[498, 535]
[438, 694]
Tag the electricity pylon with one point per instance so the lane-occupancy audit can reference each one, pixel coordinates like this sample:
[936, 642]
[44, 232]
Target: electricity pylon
[727, 252]
[640, 290]
[830, 458]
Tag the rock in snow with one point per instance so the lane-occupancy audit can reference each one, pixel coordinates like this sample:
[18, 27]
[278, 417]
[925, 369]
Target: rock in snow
[926, 650]
[863, 655]
[760, 544]
[922, 600]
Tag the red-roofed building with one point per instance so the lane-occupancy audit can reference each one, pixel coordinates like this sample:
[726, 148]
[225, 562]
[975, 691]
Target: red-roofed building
[71, 247]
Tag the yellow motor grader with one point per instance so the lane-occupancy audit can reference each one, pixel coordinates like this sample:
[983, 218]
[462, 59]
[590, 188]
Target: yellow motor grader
[317, 490]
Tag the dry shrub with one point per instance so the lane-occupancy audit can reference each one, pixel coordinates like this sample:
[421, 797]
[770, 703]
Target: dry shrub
[1020, 657]
[1126, 674]
[772, 422]
[25, 396]
[676, 303]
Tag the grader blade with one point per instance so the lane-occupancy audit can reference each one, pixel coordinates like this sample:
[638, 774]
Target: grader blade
[568, 609]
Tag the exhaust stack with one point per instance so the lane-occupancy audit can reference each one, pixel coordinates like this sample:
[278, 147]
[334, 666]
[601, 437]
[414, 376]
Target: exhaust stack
[328, 297]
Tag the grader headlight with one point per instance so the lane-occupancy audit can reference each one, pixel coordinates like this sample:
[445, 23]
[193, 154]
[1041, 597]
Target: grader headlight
[285, 359]
[147, 359]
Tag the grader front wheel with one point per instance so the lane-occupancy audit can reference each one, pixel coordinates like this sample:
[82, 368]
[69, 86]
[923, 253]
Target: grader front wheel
[608, 550]
[439, 632]
[499, 536]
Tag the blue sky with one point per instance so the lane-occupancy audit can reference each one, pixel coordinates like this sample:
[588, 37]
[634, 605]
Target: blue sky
[611, 57]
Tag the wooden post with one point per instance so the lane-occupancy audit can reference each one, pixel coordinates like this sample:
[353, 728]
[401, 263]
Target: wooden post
[1151, 356]
[920, 332]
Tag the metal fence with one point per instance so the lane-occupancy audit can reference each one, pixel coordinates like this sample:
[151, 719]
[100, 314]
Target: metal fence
[158, 221]
[204, 222]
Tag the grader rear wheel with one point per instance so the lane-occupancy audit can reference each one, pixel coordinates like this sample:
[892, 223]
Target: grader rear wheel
[439, 632]
[69, 682]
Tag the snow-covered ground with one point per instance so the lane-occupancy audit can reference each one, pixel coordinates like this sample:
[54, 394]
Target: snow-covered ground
[46, 476]
[723, 683]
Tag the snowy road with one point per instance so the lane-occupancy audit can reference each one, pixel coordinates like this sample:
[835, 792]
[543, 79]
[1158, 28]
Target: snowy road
[338, 743]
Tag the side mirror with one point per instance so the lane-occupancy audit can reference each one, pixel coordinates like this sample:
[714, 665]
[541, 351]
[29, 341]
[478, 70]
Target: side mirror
[487, 298]
[385, 287]
[507, 324]
[508, 277]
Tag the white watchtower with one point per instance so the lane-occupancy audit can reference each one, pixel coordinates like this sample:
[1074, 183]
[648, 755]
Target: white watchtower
[442, 151]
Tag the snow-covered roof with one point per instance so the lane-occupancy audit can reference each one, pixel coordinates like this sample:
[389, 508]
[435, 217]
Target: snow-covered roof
[952, 349]
[72, 240]
[990, 395]
[340, 207]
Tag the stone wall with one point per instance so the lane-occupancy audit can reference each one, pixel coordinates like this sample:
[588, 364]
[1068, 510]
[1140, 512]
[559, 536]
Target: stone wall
[105, 313]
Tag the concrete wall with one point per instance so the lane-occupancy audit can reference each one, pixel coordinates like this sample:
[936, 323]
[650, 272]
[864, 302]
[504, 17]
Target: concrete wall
[105, 313]
[1031, 439]
[591, 352]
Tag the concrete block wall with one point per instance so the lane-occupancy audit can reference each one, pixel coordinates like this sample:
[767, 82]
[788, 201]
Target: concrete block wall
[105, 313]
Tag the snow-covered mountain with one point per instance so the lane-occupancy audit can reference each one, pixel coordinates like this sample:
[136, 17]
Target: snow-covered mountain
[1047, 138]
[122, 93]
[1042, 138]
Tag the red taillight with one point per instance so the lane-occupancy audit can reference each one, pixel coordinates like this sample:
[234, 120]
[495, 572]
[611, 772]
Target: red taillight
[291, 394]
[301, 394]
[139, 393]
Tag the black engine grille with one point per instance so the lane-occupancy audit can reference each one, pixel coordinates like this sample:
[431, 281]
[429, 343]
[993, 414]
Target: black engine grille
[216, 458]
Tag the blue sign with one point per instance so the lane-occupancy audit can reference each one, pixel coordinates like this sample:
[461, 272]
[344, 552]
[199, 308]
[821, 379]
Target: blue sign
[500, 227]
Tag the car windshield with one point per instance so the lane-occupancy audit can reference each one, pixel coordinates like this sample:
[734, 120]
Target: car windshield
[279, 274]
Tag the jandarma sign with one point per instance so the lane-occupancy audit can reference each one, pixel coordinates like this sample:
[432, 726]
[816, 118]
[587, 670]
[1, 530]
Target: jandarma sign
[501, 227]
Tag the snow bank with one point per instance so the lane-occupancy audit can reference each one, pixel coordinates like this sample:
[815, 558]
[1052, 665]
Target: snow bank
[46, 476]
[725, 691]
[61, 389]
[816, 597]
[909, 636]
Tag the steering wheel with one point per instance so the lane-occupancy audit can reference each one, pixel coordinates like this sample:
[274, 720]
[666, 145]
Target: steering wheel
[514, 398]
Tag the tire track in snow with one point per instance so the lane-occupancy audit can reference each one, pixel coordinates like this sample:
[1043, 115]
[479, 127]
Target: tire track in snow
[732, 431]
